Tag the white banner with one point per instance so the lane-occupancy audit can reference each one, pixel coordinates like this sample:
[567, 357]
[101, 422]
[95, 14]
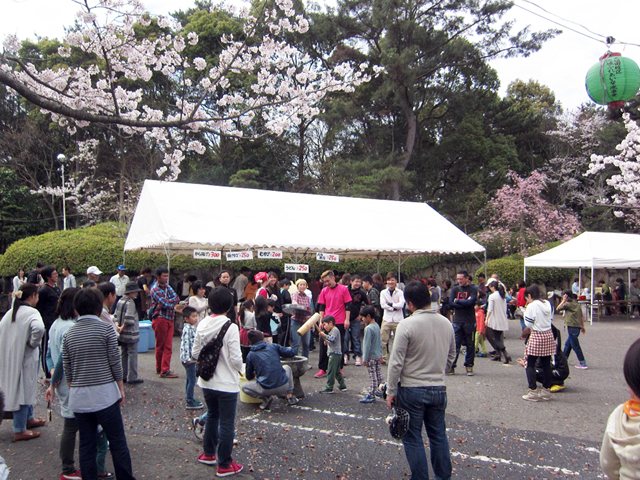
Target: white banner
[296, 268]
[327, 257]
[238, 256]
[270, 254]
[207, 254]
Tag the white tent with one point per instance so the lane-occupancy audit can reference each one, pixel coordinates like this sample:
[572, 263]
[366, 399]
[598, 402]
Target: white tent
[176, 217]
[591, 250]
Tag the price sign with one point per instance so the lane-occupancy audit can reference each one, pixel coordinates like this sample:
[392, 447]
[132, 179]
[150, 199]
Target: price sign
[237, 256]
[270, 254]
[207, 254]
[328, 257]
[296, 268]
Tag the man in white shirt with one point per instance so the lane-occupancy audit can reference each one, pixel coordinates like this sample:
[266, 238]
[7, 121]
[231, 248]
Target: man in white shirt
[392, 303]
[120, 281]
[69, 279]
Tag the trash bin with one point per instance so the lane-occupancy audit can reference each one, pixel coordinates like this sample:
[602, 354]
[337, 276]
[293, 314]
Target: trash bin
[145, 334]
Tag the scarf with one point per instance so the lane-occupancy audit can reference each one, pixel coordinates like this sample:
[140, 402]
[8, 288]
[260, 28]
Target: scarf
[632, 408]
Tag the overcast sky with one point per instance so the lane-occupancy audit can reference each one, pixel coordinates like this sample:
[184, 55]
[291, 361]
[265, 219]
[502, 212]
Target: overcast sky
[561, 64]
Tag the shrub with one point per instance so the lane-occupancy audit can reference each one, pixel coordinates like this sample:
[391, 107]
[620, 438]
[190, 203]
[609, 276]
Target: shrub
[511, 271]
[103, 245]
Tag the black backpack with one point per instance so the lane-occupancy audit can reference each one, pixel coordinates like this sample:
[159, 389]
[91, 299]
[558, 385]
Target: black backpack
[208, 358]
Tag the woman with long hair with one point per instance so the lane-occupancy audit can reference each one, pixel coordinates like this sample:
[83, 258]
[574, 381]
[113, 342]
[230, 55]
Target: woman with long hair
[66, 318]
[21, 331]
[497, 322]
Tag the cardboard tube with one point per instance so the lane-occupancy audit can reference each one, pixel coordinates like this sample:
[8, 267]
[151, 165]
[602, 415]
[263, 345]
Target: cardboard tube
[308, 325]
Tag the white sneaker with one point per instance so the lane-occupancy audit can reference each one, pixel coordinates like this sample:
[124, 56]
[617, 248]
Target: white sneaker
[532, 396]
[358, 362]
[544, 394]
[346, 359]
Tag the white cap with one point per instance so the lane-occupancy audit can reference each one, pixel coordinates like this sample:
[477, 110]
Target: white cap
[93, 269]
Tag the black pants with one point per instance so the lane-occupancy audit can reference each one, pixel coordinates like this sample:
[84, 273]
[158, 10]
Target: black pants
[111, 420]
[496, 338]
[68, 444]
[323, 359]
[464, 335]
[545, 363]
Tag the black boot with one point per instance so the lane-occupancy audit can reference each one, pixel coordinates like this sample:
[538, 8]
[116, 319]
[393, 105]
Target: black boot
[507, 358]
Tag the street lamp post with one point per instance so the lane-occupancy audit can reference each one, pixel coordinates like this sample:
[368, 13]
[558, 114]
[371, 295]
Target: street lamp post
[62, 158]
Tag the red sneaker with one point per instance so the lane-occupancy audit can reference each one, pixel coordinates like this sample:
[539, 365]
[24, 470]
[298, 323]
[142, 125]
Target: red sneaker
[320, 374]
[233, 469]
[207, 459]
[71, 476]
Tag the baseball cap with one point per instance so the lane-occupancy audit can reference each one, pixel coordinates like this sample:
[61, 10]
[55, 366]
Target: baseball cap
[94, 270]
[121, 267]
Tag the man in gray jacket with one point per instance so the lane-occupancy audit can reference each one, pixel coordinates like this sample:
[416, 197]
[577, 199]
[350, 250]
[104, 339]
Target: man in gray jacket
[423, 349]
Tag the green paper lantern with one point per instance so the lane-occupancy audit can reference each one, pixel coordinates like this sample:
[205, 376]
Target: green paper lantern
[613, 80]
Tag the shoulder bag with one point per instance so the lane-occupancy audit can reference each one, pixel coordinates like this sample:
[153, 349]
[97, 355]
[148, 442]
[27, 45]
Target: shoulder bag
[209, 355]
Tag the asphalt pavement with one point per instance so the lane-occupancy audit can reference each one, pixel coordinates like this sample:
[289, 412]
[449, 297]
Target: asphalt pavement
[493, 433]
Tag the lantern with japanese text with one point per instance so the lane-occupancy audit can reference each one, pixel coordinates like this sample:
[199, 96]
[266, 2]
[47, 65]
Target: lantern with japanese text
[613, 80]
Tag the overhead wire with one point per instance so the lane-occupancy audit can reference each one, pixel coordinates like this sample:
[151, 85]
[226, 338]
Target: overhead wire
[606, 39]
[564, 19]
[559, 24]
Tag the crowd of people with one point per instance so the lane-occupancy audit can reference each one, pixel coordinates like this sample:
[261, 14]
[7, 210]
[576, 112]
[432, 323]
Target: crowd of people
[85, 340]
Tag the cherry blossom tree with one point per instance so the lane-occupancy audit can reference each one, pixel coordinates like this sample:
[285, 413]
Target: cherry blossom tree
[280, 83]
[519, 217]
[626, 178]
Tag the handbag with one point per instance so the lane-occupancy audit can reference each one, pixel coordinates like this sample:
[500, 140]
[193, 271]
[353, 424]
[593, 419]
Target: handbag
[209, 355]
[244, 336]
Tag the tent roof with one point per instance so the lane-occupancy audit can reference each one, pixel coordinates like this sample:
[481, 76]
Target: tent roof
[592, 249]
[181, 217]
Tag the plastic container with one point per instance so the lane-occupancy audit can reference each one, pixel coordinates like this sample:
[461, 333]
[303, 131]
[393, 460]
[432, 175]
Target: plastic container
[244, 398]
[146, 333]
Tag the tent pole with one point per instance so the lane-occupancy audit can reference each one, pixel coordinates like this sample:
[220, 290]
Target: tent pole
[592, 295]
[485, 263]
[525, 274]
[627, 292]
[399, 265]
[167, 252]
[579, 280]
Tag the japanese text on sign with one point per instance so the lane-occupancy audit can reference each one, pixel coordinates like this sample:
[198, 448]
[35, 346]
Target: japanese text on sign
[243, 255]
[265, 254]
[207, 254]
[296, 268]
[327, 257]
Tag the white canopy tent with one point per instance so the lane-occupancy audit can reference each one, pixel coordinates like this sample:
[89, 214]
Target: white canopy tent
[591, 250]
[175, 218]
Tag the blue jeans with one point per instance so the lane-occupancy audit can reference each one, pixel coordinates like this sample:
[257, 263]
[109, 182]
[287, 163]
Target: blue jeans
[190, 369]
[464, 336]
[21, 417]
[110, 419]
[219, 429]
[296, 339]
[426, 405]
[573, 343]
[353, 334]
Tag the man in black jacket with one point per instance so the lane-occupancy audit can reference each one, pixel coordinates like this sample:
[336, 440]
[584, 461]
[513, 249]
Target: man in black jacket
[462, 300]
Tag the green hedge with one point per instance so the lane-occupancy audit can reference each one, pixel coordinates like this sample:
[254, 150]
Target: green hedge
[511, 271]
[103, 245]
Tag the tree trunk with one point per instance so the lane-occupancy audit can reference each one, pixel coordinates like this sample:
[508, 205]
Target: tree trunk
[123, 166]
[409, 142]
[301, 132]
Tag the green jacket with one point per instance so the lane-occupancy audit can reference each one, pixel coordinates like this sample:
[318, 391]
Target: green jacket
[572, 315]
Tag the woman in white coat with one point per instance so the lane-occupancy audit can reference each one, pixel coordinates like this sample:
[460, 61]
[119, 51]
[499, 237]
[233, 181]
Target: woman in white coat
[21, 331]
[497, 322]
